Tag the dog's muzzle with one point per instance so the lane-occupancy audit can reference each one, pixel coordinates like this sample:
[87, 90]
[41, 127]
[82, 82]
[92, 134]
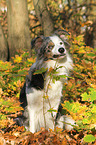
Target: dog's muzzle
[61, 54]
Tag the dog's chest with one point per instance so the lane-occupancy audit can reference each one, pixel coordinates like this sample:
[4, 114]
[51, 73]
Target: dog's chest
[50, 94]
[53, 90]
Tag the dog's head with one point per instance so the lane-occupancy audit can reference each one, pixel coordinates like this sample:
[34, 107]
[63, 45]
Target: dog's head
[52, 47]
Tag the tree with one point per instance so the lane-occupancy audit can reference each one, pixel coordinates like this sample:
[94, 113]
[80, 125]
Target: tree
[90, 35]
[3, 46]
[94, 34]
[44, 16]
[18, 26]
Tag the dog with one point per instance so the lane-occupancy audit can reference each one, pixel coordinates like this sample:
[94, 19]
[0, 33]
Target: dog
[41, 94]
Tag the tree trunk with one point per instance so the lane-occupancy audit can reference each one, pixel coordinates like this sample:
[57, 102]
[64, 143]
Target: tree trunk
[44, 16]
[94, 34]
[3, 46]
[90, 35]
[18, 26]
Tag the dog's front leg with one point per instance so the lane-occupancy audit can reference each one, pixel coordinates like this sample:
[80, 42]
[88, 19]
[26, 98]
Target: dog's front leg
[32, 121]
[31, 109]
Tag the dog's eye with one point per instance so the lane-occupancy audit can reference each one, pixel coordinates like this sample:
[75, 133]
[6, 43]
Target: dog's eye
[50, 47]
[61, 43]
[48, 51]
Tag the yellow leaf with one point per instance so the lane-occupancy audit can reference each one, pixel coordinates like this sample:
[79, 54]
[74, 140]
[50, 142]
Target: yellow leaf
[49, 86]
[89, 23]
[1, 92]
[66, 8]
[17, 59]
[64, 142]
[79, 66]
[31, 60]
[50, 69]
[46, 97]
[93, 85]
[19, 84]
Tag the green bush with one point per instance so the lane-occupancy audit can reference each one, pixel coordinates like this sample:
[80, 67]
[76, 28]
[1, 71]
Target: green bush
[12, 77]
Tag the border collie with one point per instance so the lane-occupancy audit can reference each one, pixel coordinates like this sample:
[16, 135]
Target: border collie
[42, 92]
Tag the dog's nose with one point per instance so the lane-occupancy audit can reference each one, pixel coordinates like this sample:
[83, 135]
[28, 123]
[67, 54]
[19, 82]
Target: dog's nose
[61, 50]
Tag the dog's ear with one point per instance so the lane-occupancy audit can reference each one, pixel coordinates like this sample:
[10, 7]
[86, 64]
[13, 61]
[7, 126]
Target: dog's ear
[62, 34]
[36, 42]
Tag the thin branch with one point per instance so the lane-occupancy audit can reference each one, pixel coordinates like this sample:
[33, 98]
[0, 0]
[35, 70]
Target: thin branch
[35, 26]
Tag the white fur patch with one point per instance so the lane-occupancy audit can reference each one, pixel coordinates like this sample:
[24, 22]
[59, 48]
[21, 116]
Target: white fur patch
[58, 44]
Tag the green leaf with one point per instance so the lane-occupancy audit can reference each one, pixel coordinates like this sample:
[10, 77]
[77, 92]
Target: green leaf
[22, 72]
[85, 121]
[89, 97]
[63, 76]
[89, 138]
[85, 97]
[25, 54]
[40, 71]
[52, 110]
[67, 105]
[2, 116]
[91, 54]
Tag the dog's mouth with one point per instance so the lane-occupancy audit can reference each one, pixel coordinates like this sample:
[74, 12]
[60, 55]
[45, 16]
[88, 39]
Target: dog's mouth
[59, 56]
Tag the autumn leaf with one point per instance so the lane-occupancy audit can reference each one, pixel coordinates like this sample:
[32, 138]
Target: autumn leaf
[17, 59]
[89, 97]
[89, 138]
